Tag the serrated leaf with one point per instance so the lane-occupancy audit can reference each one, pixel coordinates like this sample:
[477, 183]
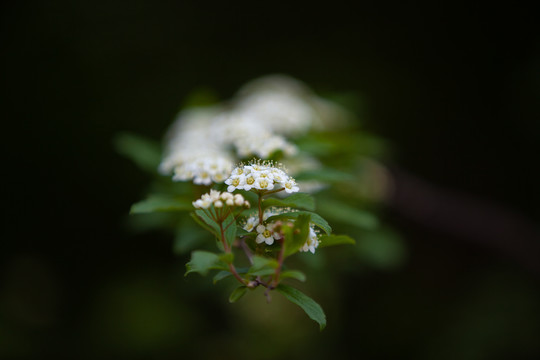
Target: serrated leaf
[311, 308]
[298, 200]
[202, 262]
[315, 219]
[145, 153]
[160, 203]
[347, 214]
[237, 294]
[293, 274]
[331, 240]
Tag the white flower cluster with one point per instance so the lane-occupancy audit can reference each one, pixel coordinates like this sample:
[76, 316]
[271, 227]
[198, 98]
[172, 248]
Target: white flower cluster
[219, 199]
[266, 233]
[204, 169]
[260, 176]
[204, 143]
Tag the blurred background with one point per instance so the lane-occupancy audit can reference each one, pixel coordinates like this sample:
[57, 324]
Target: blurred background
[454, 90]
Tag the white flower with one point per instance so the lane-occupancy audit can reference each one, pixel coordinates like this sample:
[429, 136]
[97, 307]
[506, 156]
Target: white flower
[311, 243]
[251, 223]
[290, 186]
[219, 200]
[235, 182]
[239, 200]
[266, 234]
[250, 182]
[260, 176]
[263, 183]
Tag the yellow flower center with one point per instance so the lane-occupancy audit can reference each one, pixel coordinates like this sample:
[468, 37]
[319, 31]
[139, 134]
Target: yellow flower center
[263, 184]
[267, 233]
[235, 182]
[288, 185]
[250, 180]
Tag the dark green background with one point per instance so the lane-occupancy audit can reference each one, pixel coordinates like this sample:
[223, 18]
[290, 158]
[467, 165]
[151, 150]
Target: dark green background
[455, 89]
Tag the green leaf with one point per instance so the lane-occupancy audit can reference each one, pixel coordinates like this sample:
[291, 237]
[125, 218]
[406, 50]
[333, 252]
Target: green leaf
[262, 272]
[230, 225]
[294, 274]
[202, 262]
[331, 240]
[315, 219]
[226, 273]
[145, 153]
[299, 235]
[211, 225]
[262, 266]
[221, 275]
[227, 258]
[260, 262]
[298, 200]
[160, 203]
[312, 309]
[346, 214]
[238, 293]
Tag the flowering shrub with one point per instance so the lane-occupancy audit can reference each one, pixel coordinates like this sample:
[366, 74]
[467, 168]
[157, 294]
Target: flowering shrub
[247, 172]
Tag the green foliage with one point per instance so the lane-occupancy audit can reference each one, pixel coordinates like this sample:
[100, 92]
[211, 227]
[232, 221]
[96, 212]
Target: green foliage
[229, 226]
[293, 274]
[296, 237]
[297, 200]
[332, 240]
[203, 261]
[145, 153]
[161, 203]
[311, 308]
[262, 266]
[315, 219]
[203, 219]
[238, 293]
[339, 154]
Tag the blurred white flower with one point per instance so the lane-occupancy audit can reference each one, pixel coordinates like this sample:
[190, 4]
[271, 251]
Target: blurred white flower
[203, 143]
